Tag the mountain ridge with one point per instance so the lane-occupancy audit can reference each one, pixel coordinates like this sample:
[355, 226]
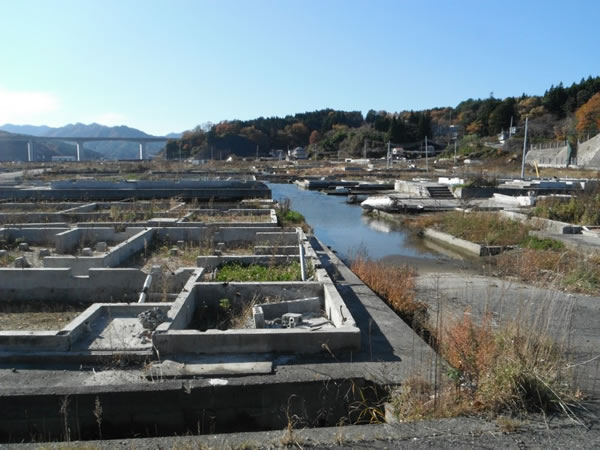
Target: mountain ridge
[108, 150]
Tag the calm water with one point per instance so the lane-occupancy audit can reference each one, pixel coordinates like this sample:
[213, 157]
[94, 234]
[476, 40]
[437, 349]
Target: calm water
[345, 229]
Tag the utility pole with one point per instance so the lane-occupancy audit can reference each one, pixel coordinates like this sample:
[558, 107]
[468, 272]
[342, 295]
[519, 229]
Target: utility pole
[388, 156]
[257, 152]
[365, 150]
[524, 150]
[426, 156]
[510, 128]
[455, 141]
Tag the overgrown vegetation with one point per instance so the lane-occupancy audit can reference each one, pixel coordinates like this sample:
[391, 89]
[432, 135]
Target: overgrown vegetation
[582, 209]
[256, 272]
[287, 217]
[551, 265]
[396, 286]
[511, 369]
[482, 228]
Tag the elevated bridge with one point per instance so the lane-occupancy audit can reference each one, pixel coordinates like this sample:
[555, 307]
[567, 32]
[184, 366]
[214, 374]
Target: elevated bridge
[79, 141]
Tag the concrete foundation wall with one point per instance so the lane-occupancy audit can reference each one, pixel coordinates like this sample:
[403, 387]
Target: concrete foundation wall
[279, 250]
[33, 236]
[80, 265]
[130, 247]
[188, 234]
[212, 262]
[32, 341]
[234, 234]
[277, 238]
[119, 254]
[67, 242]
[308, 305]
[257, 341]
[47, 285]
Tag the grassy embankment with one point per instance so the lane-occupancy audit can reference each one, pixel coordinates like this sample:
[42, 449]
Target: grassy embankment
[510, 370]
[536, 260]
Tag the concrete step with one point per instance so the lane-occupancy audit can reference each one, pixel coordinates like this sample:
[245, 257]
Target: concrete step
[439, 192]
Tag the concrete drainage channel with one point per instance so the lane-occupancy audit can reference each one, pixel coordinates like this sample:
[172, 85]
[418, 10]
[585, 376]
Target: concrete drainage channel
[157, 350]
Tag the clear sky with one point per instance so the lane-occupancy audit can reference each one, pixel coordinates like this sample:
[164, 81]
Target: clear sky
[165, 66]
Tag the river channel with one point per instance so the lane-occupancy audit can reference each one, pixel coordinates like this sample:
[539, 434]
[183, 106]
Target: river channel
[345, 228]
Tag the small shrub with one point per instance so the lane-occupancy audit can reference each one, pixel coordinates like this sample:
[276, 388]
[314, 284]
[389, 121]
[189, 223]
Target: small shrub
[536, 243]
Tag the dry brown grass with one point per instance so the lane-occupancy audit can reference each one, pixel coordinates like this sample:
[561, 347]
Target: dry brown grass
[480, 227]
[512, 370]
[41, 317]
[396, 286]
[564, 269]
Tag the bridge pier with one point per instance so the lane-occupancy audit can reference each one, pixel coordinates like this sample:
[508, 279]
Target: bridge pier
[79, 150]
[29, 151]
[142, 148]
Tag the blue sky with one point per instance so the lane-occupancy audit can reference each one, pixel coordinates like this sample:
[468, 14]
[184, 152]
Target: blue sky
[166, 66]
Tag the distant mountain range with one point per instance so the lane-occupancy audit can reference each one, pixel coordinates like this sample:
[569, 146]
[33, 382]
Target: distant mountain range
[107, 150]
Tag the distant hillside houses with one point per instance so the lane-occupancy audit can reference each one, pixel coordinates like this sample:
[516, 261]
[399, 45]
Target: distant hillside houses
[297, 153]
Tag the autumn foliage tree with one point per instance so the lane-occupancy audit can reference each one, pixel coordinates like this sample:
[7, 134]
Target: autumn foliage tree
[588, 116]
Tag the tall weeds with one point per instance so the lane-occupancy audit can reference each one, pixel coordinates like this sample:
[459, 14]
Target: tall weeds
[513, 368]
[396, 286]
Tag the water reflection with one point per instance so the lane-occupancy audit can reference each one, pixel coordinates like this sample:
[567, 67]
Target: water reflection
[377, 224]
[344, 228]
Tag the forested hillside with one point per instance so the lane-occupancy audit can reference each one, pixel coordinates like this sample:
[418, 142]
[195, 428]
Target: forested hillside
[560, 113]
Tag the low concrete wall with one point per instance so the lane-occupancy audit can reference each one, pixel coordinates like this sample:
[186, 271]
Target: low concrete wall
[308, 305]
[117, 255]
[461, 244]
[171, 338]
[32, 341]
[228, 234]
[279, 250]
[290, 340]
[277, 238]
[188, 234]
[47, 285]
[33, 236]
[212, 262]
[125, 250]
[68, 241]
[552, 226]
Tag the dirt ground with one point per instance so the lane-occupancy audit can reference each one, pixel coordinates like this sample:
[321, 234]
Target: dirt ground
[37, 321]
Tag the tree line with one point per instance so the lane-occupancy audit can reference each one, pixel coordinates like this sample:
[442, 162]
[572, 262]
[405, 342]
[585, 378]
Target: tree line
[559, 113]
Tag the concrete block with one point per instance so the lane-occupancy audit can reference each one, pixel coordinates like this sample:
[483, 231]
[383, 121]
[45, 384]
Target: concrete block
[181, 244]
[291, 320]
[174, 251]
[101, 246]
[22, 262]
[3, 253]
[87, 252]
[24, 247]
[44, 252]
[259, 317]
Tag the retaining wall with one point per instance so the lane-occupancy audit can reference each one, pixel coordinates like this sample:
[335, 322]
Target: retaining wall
[552, 226]
[461, 244]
